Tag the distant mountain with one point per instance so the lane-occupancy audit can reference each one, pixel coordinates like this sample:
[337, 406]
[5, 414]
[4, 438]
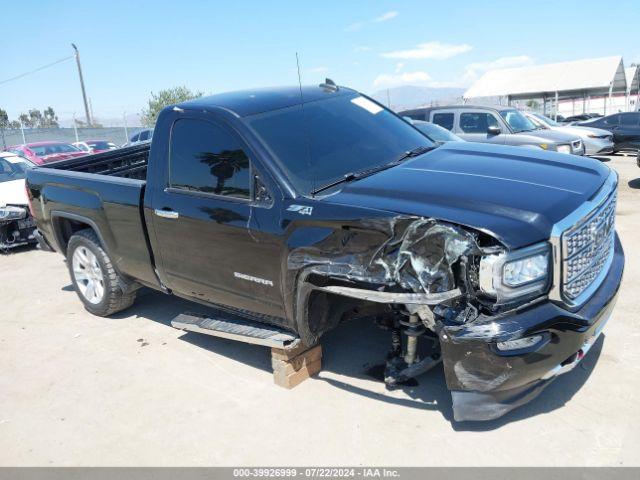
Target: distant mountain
[402, 98]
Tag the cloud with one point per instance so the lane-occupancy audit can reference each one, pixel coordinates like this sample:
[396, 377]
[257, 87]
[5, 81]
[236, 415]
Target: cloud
[473, 71]
[387, 80]
[319, 70]
[385, 16]
[362, 48]
[354, 27]
[434, 50]
[399, 66]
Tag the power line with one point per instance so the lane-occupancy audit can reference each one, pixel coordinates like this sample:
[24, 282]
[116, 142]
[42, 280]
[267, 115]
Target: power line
[36, 70]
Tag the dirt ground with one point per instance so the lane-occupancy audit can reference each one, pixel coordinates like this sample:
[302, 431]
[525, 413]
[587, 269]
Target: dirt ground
[130, 390]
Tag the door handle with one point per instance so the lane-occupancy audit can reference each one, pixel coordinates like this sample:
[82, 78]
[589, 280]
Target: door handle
[166, 213]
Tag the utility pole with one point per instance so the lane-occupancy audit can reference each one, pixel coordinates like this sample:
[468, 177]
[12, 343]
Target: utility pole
[24, 140]
[75, 127]
[126, 132]
[84, 94]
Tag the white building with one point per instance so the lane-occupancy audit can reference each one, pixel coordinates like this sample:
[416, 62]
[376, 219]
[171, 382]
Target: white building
[597, 85]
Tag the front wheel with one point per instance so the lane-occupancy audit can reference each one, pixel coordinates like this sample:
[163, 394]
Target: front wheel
[95, 280]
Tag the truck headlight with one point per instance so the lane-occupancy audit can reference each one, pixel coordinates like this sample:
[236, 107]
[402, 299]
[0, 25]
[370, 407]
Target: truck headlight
[564, 148]
[510, 276]
[12, 213]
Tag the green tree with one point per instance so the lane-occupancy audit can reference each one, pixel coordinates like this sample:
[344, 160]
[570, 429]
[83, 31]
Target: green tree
[14, 125]
[25, 120]
[4, 123]
[4, 119]
[532, 104]
[49, 119]
[164, 98]
[35, 116]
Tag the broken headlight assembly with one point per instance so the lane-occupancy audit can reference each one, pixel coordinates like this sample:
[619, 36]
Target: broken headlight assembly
[518, 275]
[12, 213]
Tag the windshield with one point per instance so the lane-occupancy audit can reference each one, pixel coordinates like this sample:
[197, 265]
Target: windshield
[53, 148]
[436, 132]
[332, 137]
[517, 121]
[546, 120]
[13, 169]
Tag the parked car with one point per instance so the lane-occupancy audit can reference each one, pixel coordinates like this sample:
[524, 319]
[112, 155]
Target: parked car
[143, 136]
[499, 125]
[595, 140]
[581, 117]
[45, 152]
[625, 128]
[98, 146]
[16, 223]
[84, 146]
[289, 221]
[435, 132]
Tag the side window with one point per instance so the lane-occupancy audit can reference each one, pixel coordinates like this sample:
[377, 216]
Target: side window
[144, 135]
[206, 158]
[611, 120]
[135, 137]
[477, 122]
[629, 119]
[445, 120]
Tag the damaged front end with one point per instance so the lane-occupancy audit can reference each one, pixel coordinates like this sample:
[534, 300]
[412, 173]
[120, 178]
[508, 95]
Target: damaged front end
[16, 227]
[472, 304]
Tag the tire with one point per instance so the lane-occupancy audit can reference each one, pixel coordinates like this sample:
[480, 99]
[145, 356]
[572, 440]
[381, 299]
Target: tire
[100, 288]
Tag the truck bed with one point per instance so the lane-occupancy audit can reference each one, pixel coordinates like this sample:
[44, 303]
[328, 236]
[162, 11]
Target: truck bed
[104, 192]
[128, 162]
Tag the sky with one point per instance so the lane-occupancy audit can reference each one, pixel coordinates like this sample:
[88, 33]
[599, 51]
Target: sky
[132, 48]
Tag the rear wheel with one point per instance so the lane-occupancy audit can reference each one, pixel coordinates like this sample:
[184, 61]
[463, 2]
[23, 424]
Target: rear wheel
[96, 282]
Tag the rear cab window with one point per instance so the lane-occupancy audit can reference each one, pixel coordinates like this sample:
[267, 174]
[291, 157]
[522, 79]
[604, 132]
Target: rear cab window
[444, 119]
[207, 158]
[477, 122]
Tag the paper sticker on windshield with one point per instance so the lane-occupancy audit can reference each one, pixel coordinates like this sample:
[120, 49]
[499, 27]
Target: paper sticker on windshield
[367, 104]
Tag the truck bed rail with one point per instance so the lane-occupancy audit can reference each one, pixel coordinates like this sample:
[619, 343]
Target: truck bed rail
[127, 162]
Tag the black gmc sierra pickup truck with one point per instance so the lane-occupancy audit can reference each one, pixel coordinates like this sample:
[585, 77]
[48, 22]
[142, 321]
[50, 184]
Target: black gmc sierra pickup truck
[291, 210]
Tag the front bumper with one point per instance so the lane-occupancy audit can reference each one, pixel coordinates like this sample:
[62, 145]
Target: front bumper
[597, 146]
[486, 383]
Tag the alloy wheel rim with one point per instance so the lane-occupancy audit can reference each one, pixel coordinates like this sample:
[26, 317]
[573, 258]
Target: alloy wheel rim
[88, 275]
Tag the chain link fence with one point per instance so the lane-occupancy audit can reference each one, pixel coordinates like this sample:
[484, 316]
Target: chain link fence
[117, 135]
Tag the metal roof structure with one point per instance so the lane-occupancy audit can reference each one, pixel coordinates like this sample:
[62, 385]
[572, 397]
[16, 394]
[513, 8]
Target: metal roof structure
[595, 76]
[633, 78]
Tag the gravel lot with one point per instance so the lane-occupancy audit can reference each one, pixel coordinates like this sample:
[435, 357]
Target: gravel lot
[81, 390]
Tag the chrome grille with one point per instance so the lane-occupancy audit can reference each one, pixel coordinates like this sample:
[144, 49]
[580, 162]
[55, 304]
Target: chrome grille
[587, 249]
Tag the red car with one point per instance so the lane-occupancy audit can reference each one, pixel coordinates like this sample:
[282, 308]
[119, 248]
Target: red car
[45, 152]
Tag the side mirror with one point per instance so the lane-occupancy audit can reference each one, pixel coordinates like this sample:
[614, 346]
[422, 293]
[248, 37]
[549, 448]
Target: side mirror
[494, 130]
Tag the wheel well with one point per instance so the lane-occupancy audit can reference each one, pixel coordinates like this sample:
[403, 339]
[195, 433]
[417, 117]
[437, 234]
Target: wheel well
[65, 228]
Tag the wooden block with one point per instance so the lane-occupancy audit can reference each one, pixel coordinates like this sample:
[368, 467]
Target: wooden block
[288, 354]
[296, 363]
[290, 380]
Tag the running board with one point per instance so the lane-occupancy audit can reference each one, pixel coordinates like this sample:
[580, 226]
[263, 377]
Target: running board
[236, 328]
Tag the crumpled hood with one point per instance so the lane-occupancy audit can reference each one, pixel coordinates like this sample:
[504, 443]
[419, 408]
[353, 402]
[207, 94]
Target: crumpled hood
[514, 193]
[13, 193]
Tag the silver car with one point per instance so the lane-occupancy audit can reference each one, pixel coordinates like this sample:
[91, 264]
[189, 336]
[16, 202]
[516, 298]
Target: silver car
[499, 125]
[596, 141]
